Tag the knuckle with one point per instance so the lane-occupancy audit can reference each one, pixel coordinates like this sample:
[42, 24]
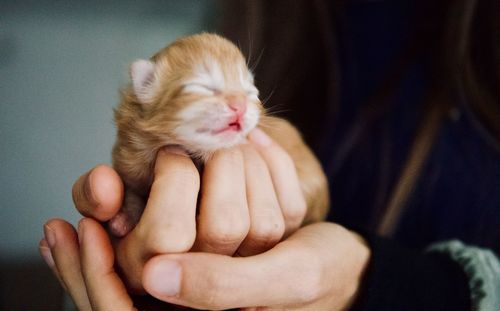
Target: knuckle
[264, 232]
[172, 239]
[294, 212]
[224, 232]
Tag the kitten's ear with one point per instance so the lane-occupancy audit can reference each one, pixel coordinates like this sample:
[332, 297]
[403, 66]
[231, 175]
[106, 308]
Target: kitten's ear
[142, 74]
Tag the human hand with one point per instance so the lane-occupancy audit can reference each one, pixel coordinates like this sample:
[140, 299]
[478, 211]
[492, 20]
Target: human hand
[162, 228]
[319, 267]
[83, 262]
[250, 199]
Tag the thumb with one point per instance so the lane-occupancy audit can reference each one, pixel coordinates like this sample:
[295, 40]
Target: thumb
[289, 274]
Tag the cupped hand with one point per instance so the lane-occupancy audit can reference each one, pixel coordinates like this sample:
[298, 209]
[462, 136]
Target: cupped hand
[250, 199]
[84, 264]
[168, 224]
[319, 267]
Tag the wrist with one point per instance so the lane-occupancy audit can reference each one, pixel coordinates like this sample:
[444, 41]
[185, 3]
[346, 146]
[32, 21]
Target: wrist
[345, 256]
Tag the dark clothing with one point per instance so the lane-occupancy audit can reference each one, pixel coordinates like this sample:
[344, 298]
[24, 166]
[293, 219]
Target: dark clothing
[333, 57]
[457, 195]
[406, 280]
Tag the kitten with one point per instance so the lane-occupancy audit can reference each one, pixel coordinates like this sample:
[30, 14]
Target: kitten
[197, 93]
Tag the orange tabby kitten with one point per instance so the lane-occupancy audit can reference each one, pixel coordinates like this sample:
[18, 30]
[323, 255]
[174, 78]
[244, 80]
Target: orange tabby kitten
[197, 93]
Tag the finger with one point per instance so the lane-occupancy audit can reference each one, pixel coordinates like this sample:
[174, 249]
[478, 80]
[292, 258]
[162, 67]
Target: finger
[63, 242]
[44, 249]
[168, 223]
[106, 290]
[98, 193]
[223, 219]
[266, 220]
[290, 274]
[285, 179]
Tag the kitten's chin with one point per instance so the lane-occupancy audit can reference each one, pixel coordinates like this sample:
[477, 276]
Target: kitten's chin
[204, 146]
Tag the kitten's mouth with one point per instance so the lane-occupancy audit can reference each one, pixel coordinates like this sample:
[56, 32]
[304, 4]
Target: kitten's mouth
[234, 126]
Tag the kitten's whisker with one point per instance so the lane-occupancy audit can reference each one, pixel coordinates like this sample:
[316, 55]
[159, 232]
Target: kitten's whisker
[257, 61]
[238, 44]
[275, 109]
[265, 100]
[276, 106]
[272, 112]
[249, 59]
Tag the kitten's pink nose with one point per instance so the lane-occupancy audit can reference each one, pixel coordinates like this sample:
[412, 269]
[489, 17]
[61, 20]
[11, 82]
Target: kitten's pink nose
[237, 103]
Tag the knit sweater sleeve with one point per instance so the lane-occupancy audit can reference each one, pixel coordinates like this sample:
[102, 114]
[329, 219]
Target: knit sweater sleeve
[404, 279]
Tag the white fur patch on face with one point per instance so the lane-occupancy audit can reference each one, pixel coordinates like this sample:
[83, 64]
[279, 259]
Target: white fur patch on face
[247, 81]
[200, 122]
[207, 79]
[216, 74]
[203, 124]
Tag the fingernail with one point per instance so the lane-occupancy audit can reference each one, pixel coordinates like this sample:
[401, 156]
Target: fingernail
[46, 254]
[87, 189]
[175, 150]
[259, 137]
[50, 236]
[165, 278]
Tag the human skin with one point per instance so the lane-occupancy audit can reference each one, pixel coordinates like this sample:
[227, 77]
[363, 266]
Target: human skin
[319, 267]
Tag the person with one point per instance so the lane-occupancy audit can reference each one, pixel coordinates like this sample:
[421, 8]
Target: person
[400, 101]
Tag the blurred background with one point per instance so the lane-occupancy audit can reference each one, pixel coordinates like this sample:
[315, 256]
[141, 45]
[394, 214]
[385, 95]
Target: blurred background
[61, 65]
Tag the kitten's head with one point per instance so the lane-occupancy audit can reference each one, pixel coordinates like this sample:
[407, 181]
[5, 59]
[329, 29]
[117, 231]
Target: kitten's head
[197, 92]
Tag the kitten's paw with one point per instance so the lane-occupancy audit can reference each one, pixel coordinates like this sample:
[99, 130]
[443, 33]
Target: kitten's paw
[120, 224]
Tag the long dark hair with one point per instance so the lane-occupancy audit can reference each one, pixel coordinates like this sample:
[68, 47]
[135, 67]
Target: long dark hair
[295, 43]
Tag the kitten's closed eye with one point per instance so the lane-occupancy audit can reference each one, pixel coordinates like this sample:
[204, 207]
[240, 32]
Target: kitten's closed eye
[204, 89]
[199, 88]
